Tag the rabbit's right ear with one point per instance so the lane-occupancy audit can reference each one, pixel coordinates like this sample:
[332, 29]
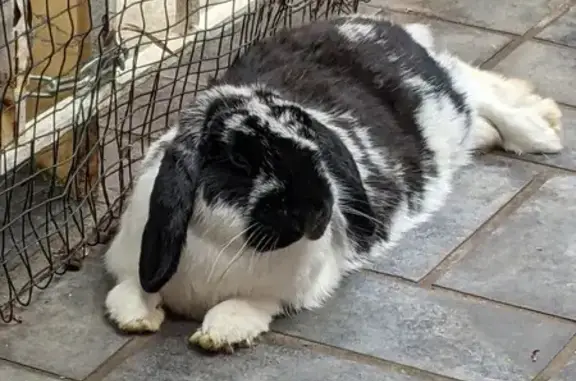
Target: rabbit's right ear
[171, 208]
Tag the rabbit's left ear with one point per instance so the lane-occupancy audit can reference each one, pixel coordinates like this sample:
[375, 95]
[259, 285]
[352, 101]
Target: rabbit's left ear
[171, 208]
[342, 166]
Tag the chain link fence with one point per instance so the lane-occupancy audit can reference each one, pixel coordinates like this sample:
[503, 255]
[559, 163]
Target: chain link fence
[86, 86]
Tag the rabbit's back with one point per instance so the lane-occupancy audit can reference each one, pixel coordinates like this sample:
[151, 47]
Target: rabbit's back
[390, 98]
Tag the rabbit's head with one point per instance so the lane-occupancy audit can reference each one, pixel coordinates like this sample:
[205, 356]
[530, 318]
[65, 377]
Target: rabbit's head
[244, 168]
[261, 172]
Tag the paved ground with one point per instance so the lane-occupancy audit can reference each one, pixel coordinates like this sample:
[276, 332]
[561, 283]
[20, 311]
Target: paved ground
[485, 291]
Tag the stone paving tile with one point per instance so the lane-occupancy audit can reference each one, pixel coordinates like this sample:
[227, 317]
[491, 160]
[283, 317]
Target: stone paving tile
[433, 330]
[551, 68]
[26, 206]
[11, 373]
[567, 158]
[480, 190]
[169, 358]
[568, 373]
[514, 16]
[563, 30]
[64, 330]
[31, 241]
[471, 44]
[531, 259]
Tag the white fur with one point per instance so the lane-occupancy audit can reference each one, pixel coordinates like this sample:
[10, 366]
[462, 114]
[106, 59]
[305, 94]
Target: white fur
[422, 34]
[357, 32]
[237, 292]
[139, 312]
[235, 321]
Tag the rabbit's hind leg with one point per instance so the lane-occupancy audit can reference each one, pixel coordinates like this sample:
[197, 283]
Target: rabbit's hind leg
[509, 114]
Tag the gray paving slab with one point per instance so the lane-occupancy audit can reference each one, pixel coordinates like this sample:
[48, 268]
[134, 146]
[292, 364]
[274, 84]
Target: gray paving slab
[567, 158]
[568, 373]
[25, 198]
[473, 45]
[550, 67]
[169, 358]
[531, 259]
[515, 16]
[433, 330]
[64, 330]
[562, 30]
[480, 190]
[12, 373]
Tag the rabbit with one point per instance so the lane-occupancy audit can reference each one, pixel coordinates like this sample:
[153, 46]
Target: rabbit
[308, 159]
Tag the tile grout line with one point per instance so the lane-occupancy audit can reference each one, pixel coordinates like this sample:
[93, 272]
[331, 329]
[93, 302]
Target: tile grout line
[532, 32]
[130, 348]
[554, 43]
[285, 339]
[500, 303]
[534, 165]
[567, 105]
[384, 11]
[558, 362]
[553, 168]
[470, 296]
[484, 230]
[35, 370]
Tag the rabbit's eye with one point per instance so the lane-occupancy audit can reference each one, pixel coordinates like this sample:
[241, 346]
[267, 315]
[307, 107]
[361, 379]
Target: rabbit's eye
[240, 162]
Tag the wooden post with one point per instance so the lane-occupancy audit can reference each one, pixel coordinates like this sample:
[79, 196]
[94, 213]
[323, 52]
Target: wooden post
[9, 72]
[60, 46]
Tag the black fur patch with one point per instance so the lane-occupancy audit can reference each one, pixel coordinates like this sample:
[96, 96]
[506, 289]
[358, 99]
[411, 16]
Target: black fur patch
[318, 67]
[171, 207]
[355, 204]
[385, 185]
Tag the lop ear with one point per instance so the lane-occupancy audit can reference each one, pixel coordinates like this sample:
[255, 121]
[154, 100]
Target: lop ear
[342, 166]
[171, 208]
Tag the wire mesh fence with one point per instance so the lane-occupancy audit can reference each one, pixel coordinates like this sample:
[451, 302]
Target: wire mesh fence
[86, 86]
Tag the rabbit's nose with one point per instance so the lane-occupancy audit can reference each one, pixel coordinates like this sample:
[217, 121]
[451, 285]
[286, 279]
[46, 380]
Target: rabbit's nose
[317, 221]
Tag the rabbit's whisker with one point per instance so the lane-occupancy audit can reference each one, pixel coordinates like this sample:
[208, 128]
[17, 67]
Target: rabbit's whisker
[217, 259]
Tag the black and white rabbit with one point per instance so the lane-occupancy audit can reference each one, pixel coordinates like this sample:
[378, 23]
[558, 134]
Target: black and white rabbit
[309, 158]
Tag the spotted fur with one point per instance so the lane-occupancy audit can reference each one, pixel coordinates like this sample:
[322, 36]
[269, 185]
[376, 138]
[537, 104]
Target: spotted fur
[309, 158]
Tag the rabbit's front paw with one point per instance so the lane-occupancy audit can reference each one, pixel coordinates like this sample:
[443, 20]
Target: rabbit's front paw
[132, 311]
[149, 323]
[231, 324]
